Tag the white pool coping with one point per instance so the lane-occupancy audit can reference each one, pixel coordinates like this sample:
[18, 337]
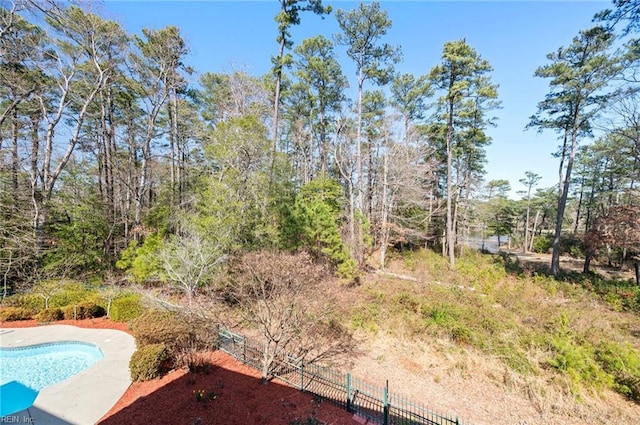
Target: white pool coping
[84, 398]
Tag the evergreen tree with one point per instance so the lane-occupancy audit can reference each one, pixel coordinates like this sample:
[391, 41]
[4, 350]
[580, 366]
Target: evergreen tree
[579, 75]
[466, 96]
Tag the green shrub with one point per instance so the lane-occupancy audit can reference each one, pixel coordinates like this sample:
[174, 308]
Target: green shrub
[50, 315]
[10, 314]
[474, 270]
[142, 262]
[69, 293]
[578, 364]
[443, 315]
[542, 244]
[623, 362]
[146, 362]
[407, 302]
[83, 310]
[317, 214]
[126, 308]
[33, 302]
[366, 318]
[160, 327]
[613, 300]
[183, 337]
[629, 385]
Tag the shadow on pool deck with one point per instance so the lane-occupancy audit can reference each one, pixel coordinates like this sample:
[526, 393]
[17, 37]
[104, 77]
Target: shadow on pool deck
[33, 415]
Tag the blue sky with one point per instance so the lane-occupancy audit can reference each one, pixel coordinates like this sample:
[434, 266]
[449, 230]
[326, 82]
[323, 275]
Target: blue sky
[514, 36]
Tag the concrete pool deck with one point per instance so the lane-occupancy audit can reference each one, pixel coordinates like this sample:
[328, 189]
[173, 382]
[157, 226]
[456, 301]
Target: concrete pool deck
[84, 398]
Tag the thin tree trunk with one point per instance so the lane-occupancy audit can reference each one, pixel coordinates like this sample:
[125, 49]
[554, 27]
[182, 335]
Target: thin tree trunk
[450, 238]
[525, 246]
[384, 237]
[577, 222]
[555, 256]
[276, 110]
[562, 200]
[323, 143]
[172, 151]
[359, 187]
[587, 263]
[533, 231]
[143, 189]
[108, 137]
[15, 159]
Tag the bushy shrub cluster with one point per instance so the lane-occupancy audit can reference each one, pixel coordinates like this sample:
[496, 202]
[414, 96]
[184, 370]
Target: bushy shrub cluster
[84, 310]
[316, 221]
[9, 314]
[126, 308]
[53, 300]
[147, 362]
[70, 293]
[32, 302]
[542, 244]
[160, 327]
[182, 338]
[50, 315]
[622, 361]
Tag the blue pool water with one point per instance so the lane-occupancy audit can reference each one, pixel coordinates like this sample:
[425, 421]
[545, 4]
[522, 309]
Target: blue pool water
[26, 370]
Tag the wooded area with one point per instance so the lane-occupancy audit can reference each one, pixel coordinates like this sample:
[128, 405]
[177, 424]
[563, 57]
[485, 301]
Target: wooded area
[113, 157]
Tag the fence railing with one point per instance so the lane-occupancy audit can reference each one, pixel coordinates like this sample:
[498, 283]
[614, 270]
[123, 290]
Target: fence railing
[375, 403]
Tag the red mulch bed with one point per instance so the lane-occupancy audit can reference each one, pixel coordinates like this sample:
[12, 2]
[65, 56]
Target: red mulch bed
[238, 396]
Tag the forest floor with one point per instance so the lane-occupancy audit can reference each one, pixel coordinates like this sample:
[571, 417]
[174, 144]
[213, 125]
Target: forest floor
[537, 260]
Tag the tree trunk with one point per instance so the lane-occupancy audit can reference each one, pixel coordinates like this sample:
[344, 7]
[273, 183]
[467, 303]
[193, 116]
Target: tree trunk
[533, 231]
[359, 187]
[323, 143]
[142, 193]
[587, 263]
[108, 139]
[173, 122]
[370, 178]
[384, 237]
[525, 246]
[577, 222]
[562, 199]
[276, 110]
[15, 159]
[450, 237]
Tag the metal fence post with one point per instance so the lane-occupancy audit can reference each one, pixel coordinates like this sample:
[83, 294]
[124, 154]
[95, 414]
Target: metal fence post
[244, 350]
[302, 375]
[385, 408]
[348, 391]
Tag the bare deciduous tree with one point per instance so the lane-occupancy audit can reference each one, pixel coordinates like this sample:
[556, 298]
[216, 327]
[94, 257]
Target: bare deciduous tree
[405, 186]
[274, 292]
[190, 259]
[620, 227]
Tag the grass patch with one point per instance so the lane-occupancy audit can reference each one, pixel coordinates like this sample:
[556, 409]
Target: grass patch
[564, 331]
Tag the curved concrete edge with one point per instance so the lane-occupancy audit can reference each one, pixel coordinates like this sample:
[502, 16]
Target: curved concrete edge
[84, 398]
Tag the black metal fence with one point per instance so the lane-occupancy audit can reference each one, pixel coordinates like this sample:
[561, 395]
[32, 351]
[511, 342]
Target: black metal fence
[357, 396]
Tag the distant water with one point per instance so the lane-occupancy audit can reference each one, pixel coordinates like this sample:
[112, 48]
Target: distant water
[490, 243]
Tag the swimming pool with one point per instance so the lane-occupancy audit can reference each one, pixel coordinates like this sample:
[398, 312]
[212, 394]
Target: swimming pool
[38, 366]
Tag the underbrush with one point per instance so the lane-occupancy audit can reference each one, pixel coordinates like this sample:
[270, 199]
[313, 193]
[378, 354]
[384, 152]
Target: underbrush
[176, 340]
[62, 299]
[565, 331]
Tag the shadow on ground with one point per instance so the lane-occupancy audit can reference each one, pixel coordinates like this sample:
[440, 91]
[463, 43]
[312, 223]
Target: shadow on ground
[223, 396]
